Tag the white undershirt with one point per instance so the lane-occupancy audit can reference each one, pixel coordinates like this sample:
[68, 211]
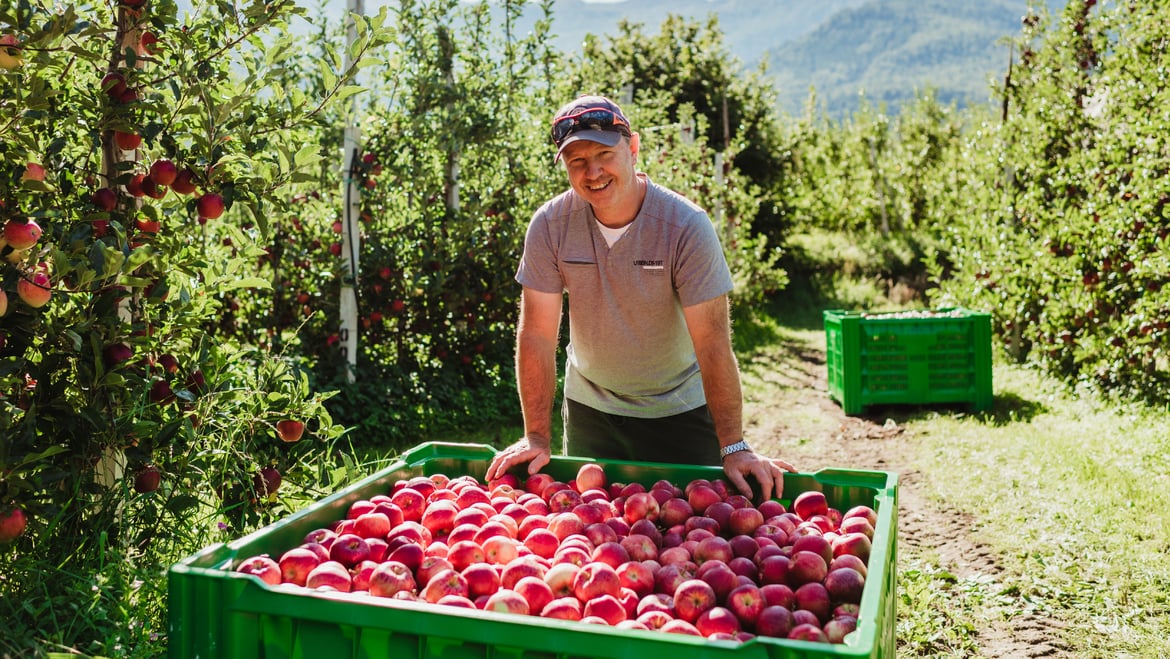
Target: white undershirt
[611, 235]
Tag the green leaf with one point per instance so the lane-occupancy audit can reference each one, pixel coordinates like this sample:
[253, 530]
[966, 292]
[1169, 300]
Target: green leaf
[246, 282]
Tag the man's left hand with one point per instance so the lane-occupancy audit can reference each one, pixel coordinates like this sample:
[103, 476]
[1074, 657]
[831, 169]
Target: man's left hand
[768, 472]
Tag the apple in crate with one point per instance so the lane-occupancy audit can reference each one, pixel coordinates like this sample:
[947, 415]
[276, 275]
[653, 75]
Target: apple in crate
[262, 566]
[391, 577]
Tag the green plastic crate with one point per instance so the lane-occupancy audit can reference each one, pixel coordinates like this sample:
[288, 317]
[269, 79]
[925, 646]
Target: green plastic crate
[941, 356]
[217, 613]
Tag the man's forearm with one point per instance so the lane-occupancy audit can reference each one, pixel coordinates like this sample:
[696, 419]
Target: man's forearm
[536, 384]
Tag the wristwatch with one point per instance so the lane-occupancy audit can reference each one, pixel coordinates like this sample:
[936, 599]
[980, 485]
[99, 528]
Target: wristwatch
[734, 448]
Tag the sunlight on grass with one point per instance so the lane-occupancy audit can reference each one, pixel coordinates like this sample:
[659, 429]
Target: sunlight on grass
[1070, 492]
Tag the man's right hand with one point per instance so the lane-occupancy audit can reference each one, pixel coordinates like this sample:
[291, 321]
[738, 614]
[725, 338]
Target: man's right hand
[533, 450]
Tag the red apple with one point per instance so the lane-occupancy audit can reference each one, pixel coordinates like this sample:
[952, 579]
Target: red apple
[266, 481]
[778, 594]
[500, 549]
[813, 596]
[563, 608]
[184, 182]
[297, 563]
[563, 500]
[263, 567]
[507, 601]
[692, 597]
[349, 550]
[599, 533]
[482, 579]
[675, 511]
[290, 430]
[637, 577]
[330, 575]
[639, 547]
[371, 525]
[535, 592]
[641, 505]
[537, 482]
[428, 567]
[849, 560]
[611, 553]
[591, 476]
[810, 503]
[127, 141]
[746, 602]
[677, 626]
[412, 503]
[210, 206]
[445, 582]
[714, 548]
[702, 496]
[439, 517]
[844, 584]
[22, 235]
[561, 577]
[806, 567]
[774, 568]
[808, 632]
[745, 520]
[857, 544]
[565, 524]
[391, 577]
[856, 525]
[774, 621]
[607, 607]
[838, 628]
[595, 579]
[721, 578]
[717, 620]
[814, 543]
[464, 553]
[163, 172]
[147, 479]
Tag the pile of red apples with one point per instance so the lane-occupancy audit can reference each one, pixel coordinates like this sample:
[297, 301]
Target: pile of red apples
[697, 560]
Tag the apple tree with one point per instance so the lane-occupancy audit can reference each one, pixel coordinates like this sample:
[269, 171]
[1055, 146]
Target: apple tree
[143, 154]
[1065, 226]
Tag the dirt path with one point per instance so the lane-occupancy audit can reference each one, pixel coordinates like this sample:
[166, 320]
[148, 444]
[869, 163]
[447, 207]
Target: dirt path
[805, 426]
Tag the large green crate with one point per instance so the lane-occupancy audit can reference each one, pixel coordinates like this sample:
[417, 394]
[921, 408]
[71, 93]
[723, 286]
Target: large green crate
[220, 614]
[922, 358]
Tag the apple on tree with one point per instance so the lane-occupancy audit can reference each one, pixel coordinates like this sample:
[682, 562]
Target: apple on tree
[290, 430]
[12, 524]
[35, 291]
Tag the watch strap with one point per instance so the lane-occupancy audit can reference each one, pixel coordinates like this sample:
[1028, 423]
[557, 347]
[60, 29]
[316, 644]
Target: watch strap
[741, 445]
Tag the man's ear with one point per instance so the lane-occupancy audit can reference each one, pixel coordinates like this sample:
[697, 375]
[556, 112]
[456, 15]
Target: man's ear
[635, 144]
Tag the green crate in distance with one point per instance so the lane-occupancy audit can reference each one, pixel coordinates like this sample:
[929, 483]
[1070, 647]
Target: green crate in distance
[915, 357]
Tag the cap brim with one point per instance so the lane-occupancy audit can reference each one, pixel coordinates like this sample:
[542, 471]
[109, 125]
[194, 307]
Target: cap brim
[606, 137]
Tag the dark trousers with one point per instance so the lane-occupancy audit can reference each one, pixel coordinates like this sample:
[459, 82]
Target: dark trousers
[687, 438]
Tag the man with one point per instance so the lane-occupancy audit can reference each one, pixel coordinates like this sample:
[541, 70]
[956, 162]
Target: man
[650, 373]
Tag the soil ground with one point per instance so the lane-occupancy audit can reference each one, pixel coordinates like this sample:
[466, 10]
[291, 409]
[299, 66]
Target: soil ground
[802, 424]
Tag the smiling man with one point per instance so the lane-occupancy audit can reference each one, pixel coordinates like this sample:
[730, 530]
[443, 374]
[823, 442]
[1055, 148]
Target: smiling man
[650, 374]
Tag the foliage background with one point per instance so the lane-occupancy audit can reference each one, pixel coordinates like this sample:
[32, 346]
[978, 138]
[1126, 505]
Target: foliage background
[1048, 211]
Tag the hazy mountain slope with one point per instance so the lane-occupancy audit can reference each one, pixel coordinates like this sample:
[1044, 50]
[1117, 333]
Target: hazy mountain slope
[890, 48]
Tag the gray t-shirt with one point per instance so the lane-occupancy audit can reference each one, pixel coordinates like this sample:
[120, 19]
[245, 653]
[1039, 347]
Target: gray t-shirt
[629, 351]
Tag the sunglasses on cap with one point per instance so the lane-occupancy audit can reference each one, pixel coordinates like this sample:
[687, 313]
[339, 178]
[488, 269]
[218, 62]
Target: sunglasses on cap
[602, 118]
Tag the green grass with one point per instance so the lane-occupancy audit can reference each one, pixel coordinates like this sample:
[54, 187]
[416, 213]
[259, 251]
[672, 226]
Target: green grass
[1071, 494]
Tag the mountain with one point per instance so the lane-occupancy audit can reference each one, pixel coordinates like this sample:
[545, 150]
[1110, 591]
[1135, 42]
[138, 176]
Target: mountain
[888, 49]
[750, 27]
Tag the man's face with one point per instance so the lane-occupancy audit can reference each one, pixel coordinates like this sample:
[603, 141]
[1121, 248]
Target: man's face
[603, 175]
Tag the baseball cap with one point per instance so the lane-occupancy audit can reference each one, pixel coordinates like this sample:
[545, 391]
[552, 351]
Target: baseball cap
[589, 117]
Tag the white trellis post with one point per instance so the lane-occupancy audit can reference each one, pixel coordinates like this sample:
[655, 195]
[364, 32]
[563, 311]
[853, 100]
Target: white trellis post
[350, 236]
